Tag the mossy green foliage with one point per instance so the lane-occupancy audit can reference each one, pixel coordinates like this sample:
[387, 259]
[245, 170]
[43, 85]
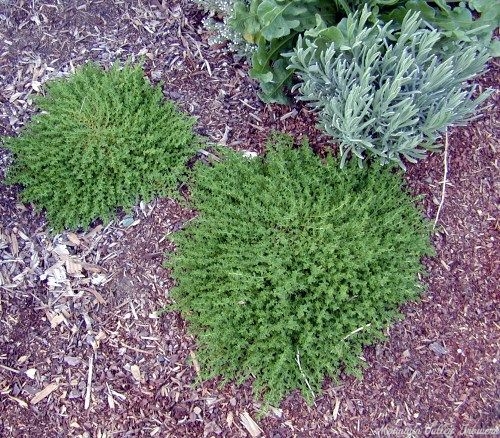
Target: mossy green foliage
[103, 139]
[294, 260]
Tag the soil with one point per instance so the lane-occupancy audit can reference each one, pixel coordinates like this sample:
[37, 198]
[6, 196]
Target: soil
[84, 351]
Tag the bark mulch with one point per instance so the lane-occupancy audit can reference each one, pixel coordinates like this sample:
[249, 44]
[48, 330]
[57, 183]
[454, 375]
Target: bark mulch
[83, 349]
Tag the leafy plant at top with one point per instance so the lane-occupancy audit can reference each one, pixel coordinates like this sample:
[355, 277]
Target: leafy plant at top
[293, 265]
[383, 93]
[103, 139]
[472, 22]
[273, 27]
[469, 21]
[263, 30]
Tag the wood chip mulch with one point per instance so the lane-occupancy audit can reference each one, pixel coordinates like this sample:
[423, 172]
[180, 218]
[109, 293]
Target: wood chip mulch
[83, 350]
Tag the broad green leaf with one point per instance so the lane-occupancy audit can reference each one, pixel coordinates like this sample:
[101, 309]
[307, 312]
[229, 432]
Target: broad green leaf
[278, 20]
[274, 91]
[323, 36]
[266, 54]
[245, 20]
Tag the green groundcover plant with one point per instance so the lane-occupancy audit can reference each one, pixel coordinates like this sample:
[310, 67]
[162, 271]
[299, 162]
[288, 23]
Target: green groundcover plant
[293, 265]
[103, 139]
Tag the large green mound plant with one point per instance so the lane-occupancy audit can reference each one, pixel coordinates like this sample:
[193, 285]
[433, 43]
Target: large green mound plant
[103, 139]
[382, 92]
[293, 265]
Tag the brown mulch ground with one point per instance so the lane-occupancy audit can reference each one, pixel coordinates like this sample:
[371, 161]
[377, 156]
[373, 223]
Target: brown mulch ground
[82, 349]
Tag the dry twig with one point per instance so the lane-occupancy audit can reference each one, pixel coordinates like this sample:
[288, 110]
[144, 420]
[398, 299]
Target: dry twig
[89, 382]
[356, 331]
[445, 179]
[297, 359]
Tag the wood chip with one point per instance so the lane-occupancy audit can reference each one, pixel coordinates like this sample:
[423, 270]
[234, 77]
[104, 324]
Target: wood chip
[12, 370]
[91, 267]
[31, 373]
[73, 238]
[89, 382]
[73, 267]
[22, 359]
[250, 425]
[136, 372]
[23, 236]
[14, 245]
[45, 392]
[20, 402]
[335, 412]
[229, 419]
[72, 361]
[195, 363]
[111, 400]
[56, 319]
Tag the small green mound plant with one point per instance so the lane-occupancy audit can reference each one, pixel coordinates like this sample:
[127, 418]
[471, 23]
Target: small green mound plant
[103, 139]
[293, 265]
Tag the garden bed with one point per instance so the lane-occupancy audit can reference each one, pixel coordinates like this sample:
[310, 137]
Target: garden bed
[82, 350]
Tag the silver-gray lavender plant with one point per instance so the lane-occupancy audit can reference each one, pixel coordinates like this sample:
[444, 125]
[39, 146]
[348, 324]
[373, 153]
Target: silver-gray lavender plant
[385, 93]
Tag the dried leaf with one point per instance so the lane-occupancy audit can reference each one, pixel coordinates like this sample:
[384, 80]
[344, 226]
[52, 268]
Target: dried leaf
[210, 401]
[36, 86]
[250, 154]
[55, 275]
[212, 428]
[61, 252]
[98, 279]
[101, 335]
[277, 411]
